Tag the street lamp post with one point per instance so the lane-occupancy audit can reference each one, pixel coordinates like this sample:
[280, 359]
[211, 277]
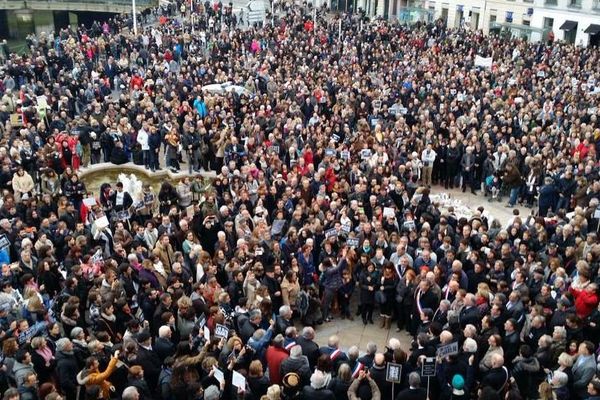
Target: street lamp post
[135, 32]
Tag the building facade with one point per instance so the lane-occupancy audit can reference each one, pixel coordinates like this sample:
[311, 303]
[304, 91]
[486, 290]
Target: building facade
[574, 21]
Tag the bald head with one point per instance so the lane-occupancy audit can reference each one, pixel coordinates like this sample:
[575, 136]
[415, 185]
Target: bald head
[333, 341]
[379, 359]
[497, 361]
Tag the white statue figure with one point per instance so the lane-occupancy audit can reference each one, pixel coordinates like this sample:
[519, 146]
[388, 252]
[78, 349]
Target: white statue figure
[132, 185]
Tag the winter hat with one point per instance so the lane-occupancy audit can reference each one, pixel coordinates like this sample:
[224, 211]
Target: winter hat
[458, 383]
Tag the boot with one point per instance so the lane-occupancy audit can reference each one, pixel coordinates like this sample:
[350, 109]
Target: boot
[382, 324]
[388, 322]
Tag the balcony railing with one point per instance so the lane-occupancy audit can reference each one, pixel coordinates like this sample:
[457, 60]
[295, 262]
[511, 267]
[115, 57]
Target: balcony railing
[551, 2]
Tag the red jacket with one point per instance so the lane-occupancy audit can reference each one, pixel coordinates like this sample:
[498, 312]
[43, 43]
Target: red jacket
[585, 302]
[274, 357]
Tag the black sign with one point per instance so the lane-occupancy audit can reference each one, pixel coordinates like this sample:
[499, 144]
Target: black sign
[393, 373]
[123, 215]
[221, 331]
[448, 350]
[428, 368]
[148, 198]
[352, 242]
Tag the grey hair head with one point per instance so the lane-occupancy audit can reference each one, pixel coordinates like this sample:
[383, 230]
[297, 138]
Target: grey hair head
[62, 343]
[258, 334]
[308, 333]
[371, 347]
[296, 351]
[284, 310]
[414, 380]
[353, 353]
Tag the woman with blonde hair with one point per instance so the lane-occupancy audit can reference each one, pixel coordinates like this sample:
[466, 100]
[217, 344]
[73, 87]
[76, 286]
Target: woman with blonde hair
[273, 393]
[546, 392]
[341, 383]
[290, 289]
[185, 316]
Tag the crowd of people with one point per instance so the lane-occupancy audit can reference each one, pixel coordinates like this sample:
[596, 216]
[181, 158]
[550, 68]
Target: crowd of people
[325, 150]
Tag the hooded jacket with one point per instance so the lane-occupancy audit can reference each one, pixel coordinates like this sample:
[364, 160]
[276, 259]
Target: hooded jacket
[99, 378]
[21, 370]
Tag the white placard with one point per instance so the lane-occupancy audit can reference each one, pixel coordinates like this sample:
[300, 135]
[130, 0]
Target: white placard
[485, 62]
[218, 374]
[388, 212]
[238, 380]
[101, 222]
[206, 333]
[89, 202]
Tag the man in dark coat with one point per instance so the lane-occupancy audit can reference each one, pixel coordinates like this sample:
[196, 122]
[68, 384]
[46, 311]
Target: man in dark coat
[548, 197]
[309, 348]
[249, 325]
[498, 375]
[166, 302]
[148, 359]
[470, 313]
[66, 368]
[378, 374]
[414, 391]
[163, 346]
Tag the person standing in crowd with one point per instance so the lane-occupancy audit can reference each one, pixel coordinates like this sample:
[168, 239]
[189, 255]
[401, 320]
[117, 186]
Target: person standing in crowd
[320, 178]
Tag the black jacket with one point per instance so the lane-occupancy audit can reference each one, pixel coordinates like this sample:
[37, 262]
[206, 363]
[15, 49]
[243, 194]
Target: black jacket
[495, 378]
[297, 365]
[510, 344]
[247, 329]
[378, 374]
[309, 393]
[258, 387]
[151, 363]
[164, 348]
[66, 372]
[469, 316]
[310, 349]
[412, 394]
[339, 388]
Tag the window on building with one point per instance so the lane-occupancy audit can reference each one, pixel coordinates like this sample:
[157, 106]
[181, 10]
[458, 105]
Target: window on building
[548, 23]
[526, 22]
[551, 2]
[575, 3]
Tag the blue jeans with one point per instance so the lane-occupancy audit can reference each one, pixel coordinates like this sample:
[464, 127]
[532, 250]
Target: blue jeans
[563, 202]
[514, 195]
[147, 158]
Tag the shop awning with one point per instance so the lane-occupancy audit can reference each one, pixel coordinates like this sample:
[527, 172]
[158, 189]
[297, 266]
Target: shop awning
[568, 25]
[593, 29]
